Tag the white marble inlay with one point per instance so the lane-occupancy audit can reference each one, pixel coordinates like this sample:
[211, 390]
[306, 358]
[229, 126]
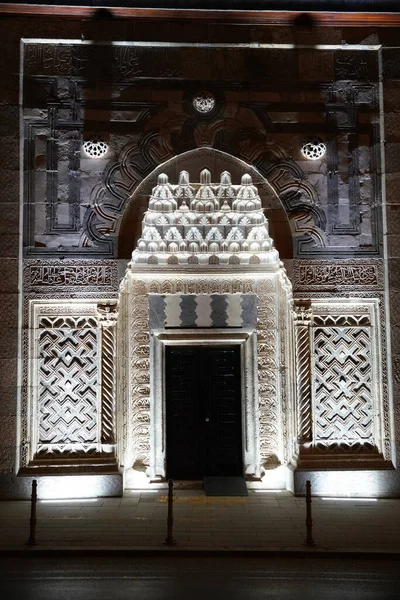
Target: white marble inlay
[172, 311]
[234, 310]
[203, 311]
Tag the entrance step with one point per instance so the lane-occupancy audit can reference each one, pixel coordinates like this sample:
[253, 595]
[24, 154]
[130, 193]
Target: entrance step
[225, 486]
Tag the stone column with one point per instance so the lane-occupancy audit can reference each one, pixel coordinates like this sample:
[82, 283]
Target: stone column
[302, 320]
[108, 315]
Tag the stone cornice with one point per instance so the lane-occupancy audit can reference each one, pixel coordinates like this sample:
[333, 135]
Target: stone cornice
[232, 17]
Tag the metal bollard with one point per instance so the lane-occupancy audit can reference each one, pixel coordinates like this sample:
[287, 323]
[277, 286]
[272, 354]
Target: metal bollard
[169, 540]
[32, 541]
[309, 538]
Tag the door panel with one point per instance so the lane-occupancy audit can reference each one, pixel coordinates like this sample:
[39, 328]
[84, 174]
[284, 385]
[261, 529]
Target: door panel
[183, 414]
[203, 411]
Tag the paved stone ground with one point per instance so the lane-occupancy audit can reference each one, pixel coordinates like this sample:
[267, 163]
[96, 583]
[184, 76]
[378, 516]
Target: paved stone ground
[262, 521]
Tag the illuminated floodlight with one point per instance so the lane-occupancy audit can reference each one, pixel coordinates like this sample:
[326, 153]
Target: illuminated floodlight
[69, 500]
[142, 491]
[268, 491]
[74, 488]
[342, 499]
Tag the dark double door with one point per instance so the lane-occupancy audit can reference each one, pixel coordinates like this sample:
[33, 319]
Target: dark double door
[203, 411]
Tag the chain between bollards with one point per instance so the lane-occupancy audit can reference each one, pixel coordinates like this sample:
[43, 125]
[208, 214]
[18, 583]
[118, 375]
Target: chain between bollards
[309, 538]
[169, 540]
[32, 541]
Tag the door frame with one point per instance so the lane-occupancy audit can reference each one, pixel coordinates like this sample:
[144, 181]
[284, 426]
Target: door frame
[247, 340]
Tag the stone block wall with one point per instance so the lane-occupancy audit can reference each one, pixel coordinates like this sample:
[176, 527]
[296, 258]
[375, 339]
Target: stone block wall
[9, 254]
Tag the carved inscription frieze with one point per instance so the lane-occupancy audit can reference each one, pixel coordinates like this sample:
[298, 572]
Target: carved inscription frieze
[67, 274]
[329, 275]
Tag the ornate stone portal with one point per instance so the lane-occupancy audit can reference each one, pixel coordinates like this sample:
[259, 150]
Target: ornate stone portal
[205, 271]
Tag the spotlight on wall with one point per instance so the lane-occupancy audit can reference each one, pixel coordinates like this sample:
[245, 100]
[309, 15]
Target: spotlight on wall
[339, 499]
[348, 484]
[78, 488]
[69, 500]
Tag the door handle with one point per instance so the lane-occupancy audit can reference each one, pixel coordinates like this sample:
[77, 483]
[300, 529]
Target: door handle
[207, 419]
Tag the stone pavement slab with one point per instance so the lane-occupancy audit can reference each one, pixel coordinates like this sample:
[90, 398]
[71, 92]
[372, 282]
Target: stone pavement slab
[259, 522]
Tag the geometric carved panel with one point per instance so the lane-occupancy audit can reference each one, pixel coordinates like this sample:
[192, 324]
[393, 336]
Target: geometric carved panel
[350, 414]
[342, 383]
[67, 384]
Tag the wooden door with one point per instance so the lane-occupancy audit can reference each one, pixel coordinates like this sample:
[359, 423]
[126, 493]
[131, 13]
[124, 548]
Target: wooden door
[203, 411]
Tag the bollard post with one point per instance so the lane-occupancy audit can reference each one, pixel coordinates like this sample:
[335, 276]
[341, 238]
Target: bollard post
[32, 541]
[169, 540]
[309, 538]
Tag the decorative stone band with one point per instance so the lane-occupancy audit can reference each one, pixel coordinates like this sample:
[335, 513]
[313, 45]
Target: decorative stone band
[329, 275]
[69, 274]
[204, 310]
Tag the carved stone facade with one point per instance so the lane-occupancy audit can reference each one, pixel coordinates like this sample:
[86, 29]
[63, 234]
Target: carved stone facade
[331, 206]
[202, 222]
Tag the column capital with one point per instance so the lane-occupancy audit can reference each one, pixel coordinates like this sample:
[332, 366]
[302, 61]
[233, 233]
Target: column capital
[302, 313]
[107, 313]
